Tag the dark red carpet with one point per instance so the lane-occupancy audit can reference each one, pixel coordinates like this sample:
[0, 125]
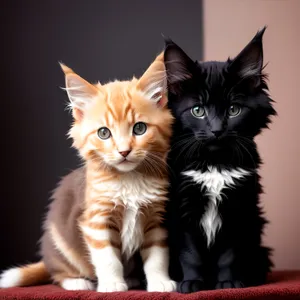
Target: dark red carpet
[282, 285]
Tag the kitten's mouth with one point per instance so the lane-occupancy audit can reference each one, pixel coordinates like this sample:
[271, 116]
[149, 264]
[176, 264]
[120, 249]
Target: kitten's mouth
[126, 165]
[214, 144]
[125, 161]
[213, 147]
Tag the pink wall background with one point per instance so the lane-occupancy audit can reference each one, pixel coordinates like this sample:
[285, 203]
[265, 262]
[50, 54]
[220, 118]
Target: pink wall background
[228, 27]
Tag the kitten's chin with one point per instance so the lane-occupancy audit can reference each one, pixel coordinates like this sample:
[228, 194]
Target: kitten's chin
[213, 147]
[126, 166]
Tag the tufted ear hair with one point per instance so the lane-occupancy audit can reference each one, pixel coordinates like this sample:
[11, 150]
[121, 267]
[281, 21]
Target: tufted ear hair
[153, 82]
[80, 92]
[179, 66]
[249, 62]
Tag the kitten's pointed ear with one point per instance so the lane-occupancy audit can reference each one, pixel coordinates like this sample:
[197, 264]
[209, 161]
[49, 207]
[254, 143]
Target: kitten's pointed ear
[249, 63]
[179, 66]
[153, 82]
[80, 92]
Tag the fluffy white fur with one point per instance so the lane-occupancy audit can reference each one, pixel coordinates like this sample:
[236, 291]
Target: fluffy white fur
[156, 270]
[11, 278]
[109, 269]
[155, 90]
[74, 284]
[214, 182]
[133, 191]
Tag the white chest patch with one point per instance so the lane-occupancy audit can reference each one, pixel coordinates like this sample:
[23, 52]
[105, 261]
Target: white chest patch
[214, 182]
[134, 191]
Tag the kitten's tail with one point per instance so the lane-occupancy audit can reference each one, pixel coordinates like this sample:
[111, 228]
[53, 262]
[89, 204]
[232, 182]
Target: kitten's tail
[32, 274]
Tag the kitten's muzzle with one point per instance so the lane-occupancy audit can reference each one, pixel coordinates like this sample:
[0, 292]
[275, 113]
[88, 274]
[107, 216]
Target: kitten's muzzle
[217, 133]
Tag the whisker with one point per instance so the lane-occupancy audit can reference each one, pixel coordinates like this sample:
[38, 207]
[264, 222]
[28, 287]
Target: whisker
[186, 146]
[250, 155]
[191, 150]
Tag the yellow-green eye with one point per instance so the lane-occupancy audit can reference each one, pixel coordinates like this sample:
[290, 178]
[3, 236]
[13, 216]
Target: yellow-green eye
[139, 128]
[234, 110]
[198, 111]
[104, 133]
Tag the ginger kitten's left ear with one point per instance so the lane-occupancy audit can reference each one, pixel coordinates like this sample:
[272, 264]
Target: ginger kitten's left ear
[80, 92]
[153, 82]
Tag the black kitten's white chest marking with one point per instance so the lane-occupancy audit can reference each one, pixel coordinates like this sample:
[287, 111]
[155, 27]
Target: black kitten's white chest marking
[214, 182]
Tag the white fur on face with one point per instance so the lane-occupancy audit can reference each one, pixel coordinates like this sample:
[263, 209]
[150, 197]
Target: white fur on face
[122, 136]
[214, 182]
[126, 166]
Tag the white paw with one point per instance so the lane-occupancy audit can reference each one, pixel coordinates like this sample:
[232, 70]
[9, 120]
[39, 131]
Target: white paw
[112, 286]
[161, 286]
[77, 284]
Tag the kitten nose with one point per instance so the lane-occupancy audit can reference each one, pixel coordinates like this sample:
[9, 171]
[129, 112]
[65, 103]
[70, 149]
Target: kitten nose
[217, 133]
[125, 153]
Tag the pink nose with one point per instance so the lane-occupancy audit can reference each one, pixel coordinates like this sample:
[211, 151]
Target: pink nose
[125, 153]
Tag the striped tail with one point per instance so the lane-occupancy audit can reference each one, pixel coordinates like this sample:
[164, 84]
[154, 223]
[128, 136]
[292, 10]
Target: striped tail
[32, 274]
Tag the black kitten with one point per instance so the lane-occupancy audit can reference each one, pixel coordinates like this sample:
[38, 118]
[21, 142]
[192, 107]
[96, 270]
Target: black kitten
[215, 222]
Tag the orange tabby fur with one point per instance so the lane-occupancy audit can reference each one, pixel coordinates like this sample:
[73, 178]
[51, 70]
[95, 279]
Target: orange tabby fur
[124, 200]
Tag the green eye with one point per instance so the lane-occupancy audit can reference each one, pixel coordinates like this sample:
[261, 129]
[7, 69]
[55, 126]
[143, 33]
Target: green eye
[104, 133]
[234, 110]
[198, 111]
[139, 128]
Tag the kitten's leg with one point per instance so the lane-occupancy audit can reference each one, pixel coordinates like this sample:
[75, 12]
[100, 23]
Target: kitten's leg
[247, 266]
[192, 266]
[155, 255]
[259, 266]
[228, 274]
[104, 244]
[133, 272]
[109, 268]
[64, 263]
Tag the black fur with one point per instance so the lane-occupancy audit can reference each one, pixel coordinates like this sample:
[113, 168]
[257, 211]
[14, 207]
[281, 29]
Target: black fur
[237, 257]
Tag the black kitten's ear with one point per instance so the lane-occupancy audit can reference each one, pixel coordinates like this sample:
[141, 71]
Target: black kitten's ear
[249, 63]
[179, 66]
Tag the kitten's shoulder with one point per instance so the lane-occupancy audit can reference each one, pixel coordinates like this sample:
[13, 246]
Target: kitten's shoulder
[71, 187]
[73, 180]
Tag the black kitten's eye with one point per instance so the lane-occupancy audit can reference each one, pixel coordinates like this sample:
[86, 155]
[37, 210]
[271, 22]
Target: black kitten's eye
[104, 133]
[234, 110]
[198, 111]
[139, 128]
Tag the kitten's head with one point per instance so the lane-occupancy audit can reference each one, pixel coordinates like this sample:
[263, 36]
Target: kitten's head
[122, 125]
[219, 103]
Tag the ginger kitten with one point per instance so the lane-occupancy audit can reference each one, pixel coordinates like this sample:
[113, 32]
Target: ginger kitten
[112, 208]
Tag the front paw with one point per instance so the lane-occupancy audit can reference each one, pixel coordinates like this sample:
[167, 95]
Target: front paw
[112, 286]
[190, 286]
[229, 284]
[161, 286]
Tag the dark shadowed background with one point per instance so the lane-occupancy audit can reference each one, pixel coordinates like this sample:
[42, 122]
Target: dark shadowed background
[100, 40]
